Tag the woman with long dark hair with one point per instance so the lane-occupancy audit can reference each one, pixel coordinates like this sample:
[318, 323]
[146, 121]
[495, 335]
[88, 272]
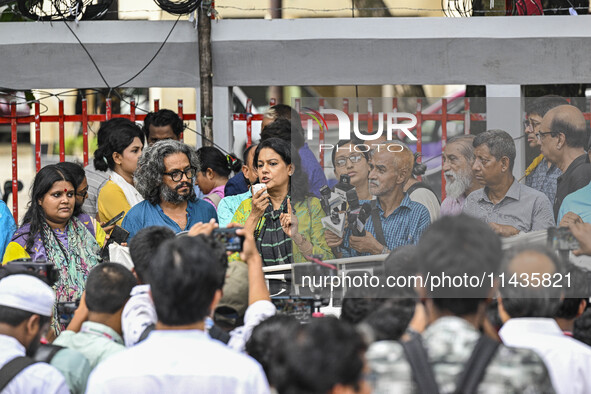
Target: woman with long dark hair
[119, 155]
[50, 232]
[284, 216]
[215, 171]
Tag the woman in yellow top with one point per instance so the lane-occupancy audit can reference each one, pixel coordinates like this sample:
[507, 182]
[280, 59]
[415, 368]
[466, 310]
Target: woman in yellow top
[118, 155]
[284, 217]
[50, 232]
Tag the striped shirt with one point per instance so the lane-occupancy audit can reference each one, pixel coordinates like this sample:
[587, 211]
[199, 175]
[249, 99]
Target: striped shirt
[309, 214]
[404, 226]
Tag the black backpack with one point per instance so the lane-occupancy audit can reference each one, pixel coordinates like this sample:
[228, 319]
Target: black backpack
[467, 381]
[12, 368]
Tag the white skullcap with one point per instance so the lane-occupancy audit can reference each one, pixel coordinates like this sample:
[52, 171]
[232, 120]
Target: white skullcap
[27, 293]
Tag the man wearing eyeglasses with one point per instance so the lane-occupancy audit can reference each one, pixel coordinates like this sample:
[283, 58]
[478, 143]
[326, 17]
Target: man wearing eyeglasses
[541, 174]
[563, 138]
[164, 177]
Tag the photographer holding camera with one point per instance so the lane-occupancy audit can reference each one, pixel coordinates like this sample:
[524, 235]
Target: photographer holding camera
[395, 220]
[95, 331]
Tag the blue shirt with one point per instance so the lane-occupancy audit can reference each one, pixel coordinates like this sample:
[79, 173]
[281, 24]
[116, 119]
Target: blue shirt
[228, 206]
[7, 226]
[404, 226]
[544, 179]
[236, 185]
[311, 166]
[578, 202]
[144, 215]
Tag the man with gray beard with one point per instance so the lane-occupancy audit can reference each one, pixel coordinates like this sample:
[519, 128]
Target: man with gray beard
[165, 177]
[458, 158]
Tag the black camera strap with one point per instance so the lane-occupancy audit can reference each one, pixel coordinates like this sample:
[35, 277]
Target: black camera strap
[377, 222]
[471, 376]
[12, 368]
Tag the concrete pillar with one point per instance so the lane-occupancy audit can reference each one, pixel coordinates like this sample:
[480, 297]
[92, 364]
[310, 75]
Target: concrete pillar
[504, 110]
[222, 117]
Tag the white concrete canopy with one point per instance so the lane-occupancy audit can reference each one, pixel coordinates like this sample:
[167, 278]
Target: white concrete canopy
[363, 51]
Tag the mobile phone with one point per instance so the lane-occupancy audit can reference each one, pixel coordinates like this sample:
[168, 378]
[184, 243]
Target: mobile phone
[115, 219]
[300, 308]
[227, 236]
[119, 235]
[258, 186]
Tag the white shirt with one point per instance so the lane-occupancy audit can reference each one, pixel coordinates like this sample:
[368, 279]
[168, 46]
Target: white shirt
[138, 314]
[568, 360]
[37, 378]
[428, 199]
[255, 313]
[178, 361]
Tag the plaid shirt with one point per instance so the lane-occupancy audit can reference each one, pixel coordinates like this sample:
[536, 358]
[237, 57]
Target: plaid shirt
[544, 179]
[402, 227]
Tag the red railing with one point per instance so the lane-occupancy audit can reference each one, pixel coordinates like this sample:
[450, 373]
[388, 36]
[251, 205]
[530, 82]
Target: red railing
[439, 114]
[37, 119]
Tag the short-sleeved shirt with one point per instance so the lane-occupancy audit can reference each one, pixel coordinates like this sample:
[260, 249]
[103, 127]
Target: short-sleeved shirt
[576, 176]
[544, 179]
[578, 202]
[523, 208]
[404, 226]
[145, 215]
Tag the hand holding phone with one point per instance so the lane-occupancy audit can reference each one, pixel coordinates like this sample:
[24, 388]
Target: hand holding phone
[114, 220]
[228, 237]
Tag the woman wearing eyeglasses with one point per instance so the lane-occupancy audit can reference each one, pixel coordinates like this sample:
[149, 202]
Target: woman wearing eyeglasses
[51, 232]
[350, 159]
[119, 155]
[285, 216]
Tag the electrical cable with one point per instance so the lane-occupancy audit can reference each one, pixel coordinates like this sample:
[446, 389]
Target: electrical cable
[178, 7]
[153, 57]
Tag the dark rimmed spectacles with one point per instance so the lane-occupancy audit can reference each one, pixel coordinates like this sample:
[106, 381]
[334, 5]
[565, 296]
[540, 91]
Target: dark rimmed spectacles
[83, 193]
[177, 175]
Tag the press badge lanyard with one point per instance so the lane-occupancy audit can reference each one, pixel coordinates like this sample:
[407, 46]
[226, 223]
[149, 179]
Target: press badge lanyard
[94, 331]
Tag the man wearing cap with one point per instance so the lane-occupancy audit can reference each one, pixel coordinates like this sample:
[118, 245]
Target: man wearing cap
[26, 304]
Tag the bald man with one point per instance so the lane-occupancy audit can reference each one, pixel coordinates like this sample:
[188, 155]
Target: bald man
[563, 138]
[401, 220]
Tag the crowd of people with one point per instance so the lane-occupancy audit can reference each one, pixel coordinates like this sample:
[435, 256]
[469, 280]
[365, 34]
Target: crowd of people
[188, 315]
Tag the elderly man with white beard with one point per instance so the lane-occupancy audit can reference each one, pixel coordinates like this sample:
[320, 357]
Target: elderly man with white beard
[458, 158]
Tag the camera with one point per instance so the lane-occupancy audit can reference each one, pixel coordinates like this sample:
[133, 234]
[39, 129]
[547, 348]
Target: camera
[342, 207]
[40, 268]
[65, 311]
